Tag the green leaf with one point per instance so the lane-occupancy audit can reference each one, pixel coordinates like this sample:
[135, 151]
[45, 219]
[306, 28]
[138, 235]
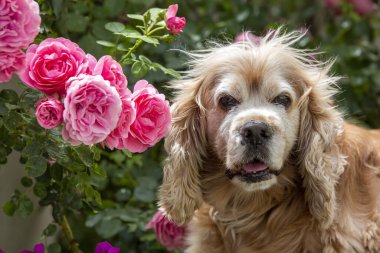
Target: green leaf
[10, 96]
[57, 7]
[3, 154]
[13, 120]
[114, 7]
[136, 16]
[167, 71]
[156, 13]
[145, 59]
[106, 43]
[39, 189]
[85, 155]
[76, 22]
[25, 206]
[150, 40]
[36, 166]
[26, 181]
[109, 228]
[139, 69]
[93, 220]
[123, 194]
[115, 27]
[98, 171]
[50, 230]
[9, 208]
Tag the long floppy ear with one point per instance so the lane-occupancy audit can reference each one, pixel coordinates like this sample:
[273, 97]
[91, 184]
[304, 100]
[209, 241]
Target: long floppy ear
[180, 193]
[320, 160]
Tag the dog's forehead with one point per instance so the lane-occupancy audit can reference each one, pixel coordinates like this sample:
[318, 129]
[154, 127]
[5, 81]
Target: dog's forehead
[240, 87]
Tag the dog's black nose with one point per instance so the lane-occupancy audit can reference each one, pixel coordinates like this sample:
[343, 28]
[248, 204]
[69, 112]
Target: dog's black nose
[255, 133]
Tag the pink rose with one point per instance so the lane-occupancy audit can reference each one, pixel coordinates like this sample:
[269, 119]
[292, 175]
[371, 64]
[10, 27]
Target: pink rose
[152, 117]
[92, 110]
[49, 112]
[119, 136]
[174, 24]
[19, 24]
[106, 247]
[38, 248]
[51, 63]
[10, 62]
[248, 37]
[111, 71]
[167, 232]
[362, 7]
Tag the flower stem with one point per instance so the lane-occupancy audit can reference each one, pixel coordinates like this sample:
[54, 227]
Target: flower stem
[68, 233]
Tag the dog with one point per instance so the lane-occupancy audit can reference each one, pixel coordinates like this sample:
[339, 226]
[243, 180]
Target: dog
[261, 161]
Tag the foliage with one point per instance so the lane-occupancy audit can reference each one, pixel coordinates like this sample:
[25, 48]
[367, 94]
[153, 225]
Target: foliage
[111, 195]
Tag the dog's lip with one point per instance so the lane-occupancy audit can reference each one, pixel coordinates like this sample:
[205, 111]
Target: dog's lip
[256, 170]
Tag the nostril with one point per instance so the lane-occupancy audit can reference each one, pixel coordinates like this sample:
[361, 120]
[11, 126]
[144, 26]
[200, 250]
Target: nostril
[255, 133]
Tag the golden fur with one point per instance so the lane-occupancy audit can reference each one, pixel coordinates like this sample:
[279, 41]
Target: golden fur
[326, 198]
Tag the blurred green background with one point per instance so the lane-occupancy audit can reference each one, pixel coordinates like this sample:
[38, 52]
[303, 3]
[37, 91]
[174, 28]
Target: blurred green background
[129, 192]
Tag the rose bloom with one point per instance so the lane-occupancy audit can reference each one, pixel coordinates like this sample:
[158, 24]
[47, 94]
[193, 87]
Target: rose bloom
[119, 136]
[111, 71]
[38, 248]
[51, 63]
[49, 112]
[10, 62]
[362, 7]
[174, 24]
[19, 24]
[105, 247]
[92, 110]
[152, 117]
[167, 232]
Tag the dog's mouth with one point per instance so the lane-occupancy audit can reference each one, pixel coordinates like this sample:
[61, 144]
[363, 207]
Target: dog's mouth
[252, 172]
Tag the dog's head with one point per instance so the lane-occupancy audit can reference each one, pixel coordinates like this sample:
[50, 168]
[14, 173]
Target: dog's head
[255, 107]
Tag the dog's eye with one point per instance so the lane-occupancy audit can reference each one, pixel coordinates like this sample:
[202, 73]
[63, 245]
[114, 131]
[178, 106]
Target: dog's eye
[227, 102]
[283, 100]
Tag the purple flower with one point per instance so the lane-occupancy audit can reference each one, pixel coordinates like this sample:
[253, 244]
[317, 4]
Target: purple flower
[38, 248]
[105, 247]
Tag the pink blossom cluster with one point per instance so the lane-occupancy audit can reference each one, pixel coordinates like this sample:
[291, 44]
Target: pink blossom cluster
[362, 7]
[102, 247]
[167, 232]
[174, 24]
[19, 25]
[90, 97]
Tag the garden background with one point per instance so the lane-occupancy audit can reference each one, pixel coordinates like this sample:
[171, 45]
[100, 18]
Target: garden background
[348, 31]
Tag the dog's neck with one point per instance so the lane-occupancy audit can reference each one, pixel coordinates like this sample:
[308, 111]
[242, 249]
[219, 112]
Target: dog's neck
[235, 207]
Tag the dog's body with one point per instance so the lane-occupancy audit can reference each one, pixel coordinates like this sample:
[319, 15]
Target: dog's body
[260, 154]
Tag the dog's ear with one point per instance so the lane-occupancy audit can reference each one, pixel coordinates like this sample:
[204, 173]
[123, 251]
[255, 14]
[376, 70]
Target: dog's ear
[180, 193]
[320, 160]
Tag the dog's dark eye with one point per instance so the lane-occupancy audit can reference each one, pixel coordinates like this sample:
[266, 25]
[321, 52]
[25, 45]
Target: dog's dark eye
[283, 100]
[227, 102]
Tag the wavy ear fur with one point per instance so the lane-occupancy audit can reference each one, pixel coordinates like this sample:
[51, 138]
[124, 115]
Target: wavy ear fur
[180, 193]
[320, 159]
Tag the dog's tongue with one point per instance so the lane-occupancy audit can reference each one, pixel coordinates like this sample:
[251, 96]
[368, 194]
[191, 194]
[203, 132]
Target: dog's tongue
[254, 167]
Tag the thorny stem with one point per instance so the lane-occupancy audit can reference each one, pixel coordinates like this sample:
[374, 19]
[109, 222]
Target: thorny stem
[68, 233]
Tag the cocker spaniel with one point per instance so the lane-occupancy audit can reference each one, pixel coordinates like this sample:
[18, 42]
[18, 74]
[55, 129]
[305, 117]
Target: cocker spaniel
[261, 161]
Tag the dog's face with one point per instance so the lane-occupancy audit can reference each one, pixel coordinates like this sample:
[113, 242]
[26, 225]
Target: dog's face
[249, 120]
[252, 123]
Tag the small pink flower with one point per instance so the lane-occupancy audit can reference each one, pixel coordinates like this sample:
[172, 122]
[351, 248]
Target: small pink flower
[105, 247]
[119, 136]
[38, 248]
[152, 117]
[19, 24]
[174, 24]
[167, 232]
[92, 110]
[111, 71]
[10, 62]
[248, 37]
[363, 7]
[49, 112]
[51, 63]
